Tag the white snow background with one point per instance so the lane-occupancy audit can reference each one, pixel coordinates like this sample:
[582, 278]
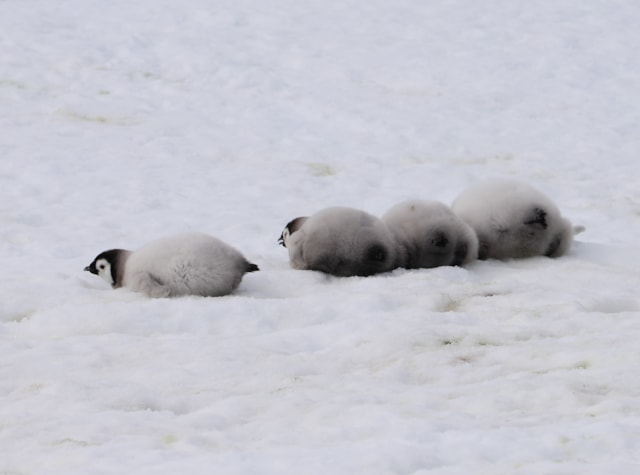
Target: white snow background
[121, 122]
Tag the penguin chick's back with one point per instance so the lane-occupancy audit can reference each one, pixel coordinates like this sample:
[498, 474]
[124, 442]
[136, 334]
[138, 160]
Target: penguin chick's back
[513, 220]
[428, 234]
[186, 264]
[343, 242]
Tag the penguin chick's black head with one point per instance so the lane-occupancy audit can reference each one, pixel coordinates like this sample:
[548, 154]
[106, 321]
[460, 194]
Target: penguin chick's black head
[107, 264]
[291, 227]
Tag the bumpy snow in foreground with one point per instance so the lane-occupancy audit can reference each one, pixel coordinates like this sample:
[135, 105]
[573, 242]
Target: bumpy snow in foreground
[126, 121]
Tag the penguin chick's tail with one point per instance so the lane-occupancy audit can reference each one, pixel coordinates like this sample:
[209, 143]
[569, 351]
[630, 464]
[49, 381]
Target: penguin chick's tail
[252, 267]
[578, 229]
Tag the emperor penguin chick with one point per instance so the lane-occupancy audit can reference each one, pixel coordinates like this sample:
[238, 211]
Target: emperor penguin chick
[428, 234]
[339, 241]
[514, 220]
[183, 264]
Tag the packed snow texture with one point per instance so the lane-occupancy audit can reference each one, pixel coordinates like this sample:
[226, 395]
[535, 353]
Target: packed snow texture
[126, 121]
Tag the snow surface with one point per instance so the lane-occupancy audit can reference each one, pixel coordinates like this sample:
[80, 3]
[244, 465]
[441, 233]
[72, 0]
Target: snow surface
[125, 121]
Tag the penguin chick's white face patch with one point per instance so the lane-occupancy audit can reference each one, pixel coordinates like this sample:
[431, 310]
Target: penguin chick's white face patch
[103, 267]
[284, 237]
[291, 227]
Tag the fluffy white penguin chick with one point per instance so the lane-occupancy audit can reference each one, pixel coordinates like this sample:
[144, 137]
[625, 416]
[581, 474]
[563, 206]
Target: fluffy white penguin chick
[514, 220]
[429, 234]
[183, 264]
[339, 241]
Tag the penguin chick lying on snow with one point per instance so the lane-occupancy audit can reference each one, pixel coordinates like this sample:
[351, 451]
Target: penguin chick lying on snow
[184, 264]
[428, 234]
[513, 220]
[339, 241]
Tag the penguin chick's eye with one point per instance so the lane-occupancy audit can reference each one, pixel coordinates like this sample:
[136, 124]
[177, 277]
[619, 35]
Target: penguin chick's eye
[101, 266]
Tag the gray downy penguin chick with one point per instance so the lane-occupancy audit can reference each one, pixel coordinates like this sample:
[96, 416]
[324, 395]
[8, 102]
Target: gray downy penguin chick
[428, 234]
[514, 220]
[339, 241]
[183, 264]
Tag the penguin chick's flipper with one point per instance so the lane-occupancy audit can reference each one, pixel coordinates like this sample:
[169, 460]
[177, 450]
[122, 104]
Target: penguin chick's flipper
[440, 239]
[460, 254]
[377, 253]
[537, 216]
[554, 245]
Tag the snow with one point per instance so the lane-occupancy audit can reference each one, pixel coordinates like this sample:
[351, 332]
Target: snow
[126, 121]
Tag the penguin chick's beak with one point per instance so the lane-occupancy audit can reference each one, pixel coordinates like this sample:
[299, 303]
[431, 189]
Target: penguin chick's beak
[89, 269]
[281, 241]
